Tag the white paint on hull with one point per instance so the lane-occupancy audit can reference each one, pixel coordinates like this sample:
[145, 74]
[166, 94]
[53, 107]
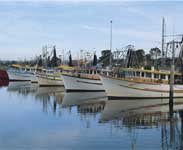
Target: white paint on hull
[73, 83]
[47, 81]
[120, 88]
[34, 79]
[16, 76]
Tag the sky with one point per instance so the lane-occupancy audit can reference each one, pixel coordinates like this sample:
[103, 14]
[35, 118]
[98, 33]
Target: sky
[27, 26]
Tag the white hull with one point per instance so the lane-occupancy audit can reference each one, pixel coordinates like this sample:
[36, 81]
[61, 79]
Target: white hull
[44, 80]
[120, 89]
[79, 84]
[16, 76]
[33, 79]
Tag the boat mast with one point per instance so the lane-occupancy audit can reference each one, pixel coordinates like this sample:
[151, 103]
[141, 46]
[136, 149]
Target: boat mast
[110, 59]
[163, 37]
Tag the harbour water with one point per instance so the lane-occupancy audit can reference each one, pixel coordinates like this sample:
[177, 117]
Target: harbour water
[35, 117]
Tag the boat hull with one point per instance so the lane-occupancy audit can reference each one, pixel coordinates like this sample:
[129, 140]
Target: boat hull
[120, 89]
[79, 84]
[33, 78]
[16, 76]
[44, 80]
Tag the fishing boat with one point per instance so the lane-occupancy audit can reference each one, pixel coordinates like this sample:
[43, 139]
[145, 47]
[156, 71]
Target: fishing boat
[130, 81]
[140, 83]
[3, 75]
[49, 78]
[21, 73]
[83, 81]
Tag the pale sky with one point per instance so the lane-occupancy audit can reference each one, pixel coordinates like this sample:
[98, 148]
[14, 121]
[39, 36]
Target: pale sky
[26, 26]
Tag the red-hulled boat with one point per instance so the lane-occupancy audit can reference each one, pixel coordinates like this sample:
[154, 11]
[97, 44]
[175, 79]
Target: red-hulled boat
[3, 75]
[4, 80]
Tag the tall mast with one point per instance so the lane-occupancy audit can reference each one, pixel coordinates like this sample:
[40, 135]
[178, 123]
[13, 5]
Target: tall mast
[110, 61]
[163, 37]
[172, 70]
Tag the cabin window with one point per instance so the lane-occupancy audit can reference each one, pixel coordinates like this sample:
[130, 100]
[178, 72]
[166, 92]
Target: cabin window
[94, 72]
[156, 76]
[148, 75]
[120, 75]
[163, 76]
[129, 73]
[178, 79]
[132, 73]
[90, 71]
[138, 74]
[142, 74]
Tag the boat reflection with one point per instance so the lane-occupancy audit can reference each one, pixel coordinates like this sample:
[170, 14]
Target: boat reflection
[77, 98]
[22, 88]
[88, 105]
[147, 114]
[51, 98]
[3, 82]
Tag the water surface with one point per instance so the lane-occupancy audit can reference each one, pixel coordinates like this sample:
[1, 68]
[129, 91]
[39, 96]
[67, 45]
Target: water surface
[33, 117]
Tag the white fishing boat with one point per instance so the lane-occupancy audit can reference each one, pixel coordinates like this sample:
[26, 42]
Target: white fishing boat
[49, 78]
[136, 82]
[82, 82]
[140, 83]
[20, 73]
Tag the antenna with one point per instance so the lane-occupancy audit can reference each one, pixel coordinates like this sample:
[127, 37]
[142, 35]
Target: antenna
[163, 37]
[110, 61]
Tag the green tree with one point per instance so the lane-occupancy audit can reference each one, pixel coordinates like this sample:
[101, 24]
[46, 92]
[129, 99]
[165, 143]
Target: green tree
[148, 59]
[40, 61]
[94, 60]
[54, 59]
[105, 57]
[70, 60]
[155, 52]
[140, 53]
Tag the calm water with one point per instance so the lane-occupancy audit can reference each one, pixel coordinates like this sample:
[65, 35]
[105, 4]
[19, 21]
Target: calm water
[47, 118]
